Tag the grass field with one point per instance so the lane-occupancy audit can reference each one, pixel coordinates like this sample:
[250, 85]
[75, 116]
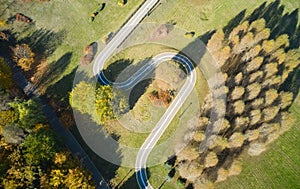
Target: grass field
[72, 19]
[276, 168]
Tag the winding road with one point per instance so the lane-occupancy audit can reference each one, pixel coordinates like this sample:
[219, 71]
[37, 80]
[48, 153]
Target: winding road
[157, 132]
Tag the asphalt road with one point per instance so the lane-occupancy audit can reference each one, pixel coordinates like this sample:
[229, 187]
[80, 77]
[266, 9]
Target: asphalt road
[122, 34]
[165, 120]
[180, 98]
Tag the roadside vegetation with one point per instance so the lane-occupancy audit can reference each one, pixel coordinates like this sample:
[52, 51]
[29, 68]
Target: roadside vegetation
[32, 155]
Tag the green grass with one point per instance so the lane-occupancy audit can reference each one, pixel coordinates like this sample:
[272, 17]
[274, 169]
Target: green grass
[201, 16]
[71, 17]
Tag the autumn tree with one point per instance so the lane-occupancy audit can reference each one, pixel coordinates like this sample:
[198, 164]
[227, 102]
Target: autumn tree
[23, 56]
[102, 103]
[210, 160]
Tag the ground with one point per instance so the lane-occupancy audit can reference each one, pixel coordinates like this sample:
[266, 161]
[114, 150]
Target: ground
[71, 18]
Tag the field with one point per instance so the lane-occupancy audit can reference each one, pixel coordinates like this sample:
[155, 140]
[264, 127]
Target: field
[71, 30]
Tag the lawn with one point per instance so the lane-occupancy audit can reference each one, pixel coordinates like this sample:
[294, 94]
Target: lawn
[279, 166]
[71, 18]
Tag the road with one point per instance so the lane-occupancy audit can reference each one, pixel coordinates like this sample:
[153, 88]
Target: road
[122, 34]
[180, 98]
[165, 120]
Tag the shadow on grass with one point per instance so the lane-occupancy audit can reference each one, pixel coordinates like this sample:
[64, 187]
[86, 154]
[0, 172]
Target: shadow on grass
[132, 181]
[44, 42]
[137, 91]
[89, 132]
[53, 71]
[116, 68]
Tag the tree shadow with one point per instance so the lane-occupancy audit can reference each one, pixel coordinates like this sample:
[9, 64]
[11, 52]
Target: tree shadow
[116, 68]
[44, 42]
[234, 22]
[53, 71]
[132, 182]
[94, 139]
[137, 91]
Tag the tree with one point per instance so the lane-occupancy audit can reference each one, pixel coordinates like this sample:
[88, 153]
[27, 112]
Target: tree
[6, 80]
[210, 160]
[286, 99]
[255, 116]
[222, 175]
[29, 112]
[254, 64]
[252, 53]
[270, 69]
[262, 35]
[270, 113]
[252, 135]
[235, 168]
[121, 2]
[102, 103]
[241, 123]
[13, 134]
[67, 173]
[82, 98]
[40, 146]
[257, 103]
[238, 78]
[23, 56]
[268, 46]
[236, 140]
[4, 99]
[237, 93]
[270, 96]
[239, 107]
[7, 117]
[216, 41]
[256, 148]
[253, 91]
[279, 56]
[256, 76]
[188, 153]
[282, 41]
[257, 25]
[190, 170]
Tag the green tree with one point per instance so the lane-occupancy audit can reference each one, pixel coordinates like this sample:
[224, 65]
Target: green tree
[6, 80]
[7, 117]
[29, 112]
[82, 98]
[40, 146]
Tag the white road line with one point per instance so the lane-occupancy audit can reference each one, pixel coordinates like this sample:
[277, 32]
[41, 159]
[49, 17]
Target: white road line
[165, 120]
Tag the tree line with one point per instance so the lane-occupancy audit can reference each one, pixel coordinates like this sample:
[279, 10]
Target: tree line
[247, 112]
